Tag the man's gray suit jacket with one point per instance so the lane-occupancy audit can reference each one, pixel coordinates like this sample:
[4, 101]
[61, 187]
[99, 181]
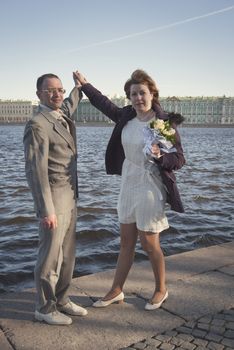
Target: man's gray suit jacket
[51, 159]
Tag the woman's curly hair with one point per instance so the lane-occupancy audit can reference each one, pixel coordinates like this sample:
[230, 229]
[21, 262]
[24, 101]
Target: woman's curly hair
[141, 77]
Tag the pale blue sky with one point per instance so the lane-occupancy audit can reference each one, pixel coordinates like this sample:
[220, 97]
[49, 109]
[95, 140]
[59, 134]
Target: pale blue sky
[185, 45]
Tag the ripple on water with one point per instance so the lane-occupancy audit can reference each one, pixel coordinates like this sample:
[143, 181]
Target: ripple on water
[206, 185]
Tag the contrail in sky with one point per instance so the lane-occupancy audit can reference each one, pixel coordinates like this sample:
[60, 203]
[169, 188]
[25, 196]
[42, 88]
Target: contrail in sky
[157, 29]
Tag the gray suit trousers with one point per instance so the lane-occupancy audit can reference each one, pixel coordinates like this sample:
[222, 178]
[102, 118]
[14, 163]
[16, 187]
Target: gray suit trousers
[55, 263]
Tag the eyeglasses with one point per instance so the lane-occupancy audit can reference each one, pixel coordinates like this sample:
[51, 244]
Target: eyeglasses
[53, 91]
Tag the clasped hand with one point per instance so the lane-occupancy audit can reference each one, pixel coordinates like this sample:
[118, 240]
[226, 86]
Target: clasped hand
[79, 79]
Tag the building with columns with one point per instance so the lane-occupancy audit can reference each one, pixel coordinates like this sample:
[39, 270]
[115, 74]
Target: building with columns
[87, 113]
[196, 110]
[202, 110]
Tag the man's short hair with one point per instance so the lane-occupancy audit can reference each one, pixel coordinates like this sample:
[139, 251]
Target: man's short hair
[43, 77]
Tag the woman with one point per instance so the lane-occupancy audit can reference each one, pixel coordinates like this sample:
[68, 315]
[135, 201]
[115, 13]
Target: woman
[145, 186]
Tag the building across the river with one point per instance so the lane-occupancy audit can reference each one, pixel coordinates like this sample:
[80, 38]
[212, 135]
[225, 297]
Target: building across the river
[87, 113]
[196, 110]
[15, 111]
[202, 110]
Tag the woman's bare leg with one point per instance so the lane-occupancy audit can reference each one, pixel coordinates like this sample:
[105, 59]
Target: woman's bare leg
[151, 245]
[128, 239]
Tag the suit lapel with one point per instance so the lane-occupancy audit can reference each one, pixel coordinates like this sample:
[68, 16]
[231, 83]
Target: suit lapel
[71, 127]
[70, 138]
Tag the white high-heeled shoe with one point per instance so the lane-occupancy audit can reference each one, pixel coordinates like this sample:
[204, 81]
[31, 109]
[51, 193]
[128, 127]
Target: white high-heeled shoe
[150, 306]
[103, 303]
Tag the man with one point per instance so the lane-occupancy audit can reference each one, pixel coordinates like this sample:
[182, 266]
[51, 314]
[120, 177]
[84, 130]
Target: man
[51, 171]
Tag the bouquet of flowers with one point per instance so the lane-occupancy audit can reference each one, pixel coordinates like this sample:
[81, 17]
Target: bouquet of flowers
[161, 133]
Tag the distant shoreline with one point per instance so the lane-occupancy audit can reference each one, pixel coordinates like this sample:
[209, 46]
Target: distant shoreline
[104, 124]
[78, 124]
[207, 125]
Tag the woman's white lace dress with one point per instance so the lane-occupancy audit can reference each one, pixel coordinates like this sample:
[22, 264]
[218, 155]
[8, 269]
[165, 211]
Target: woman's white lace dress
[142, 195]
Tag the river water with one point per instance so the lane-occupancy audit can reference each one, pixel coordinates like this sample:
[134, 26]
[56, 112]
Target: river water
[206, 184]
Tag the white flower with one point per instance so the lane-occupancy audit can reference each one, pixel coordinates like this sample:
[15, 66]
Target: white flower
[164, 128]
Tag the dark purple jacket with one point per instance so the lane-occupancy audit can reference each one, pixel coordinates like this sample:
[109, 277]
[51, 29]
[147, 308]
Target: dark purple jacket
[115, 152]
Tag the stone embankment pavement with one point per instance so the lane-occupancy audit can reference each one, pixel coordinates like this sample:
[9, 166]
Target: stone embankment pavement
[214, 332]
[199, 313]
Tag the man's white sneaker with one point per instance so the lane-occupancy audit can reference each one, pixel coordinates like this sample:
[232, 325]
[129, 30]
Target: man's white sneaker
[72, 309]
[54, 318]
